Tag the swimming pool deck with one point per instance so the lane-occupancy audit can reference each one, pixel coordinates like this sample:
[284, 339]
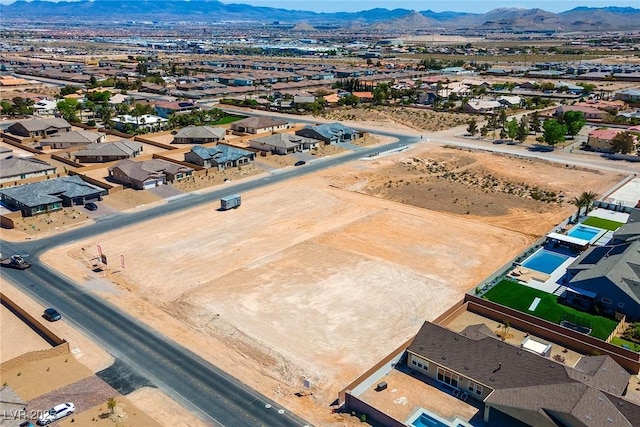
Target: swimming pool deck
[539, 280]
[610, 215]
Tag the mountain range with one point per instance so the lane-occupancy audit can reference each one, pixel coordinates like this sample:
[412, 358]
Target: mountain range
[516, 19]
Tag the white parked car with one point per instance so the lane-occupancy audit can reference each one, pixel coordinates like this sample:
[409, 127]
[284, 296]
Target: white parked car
[57, 412]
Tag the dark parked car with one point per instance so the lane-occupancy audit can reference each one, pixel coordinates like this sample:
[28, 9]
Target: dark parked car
[300, 163]
[51, 314]
[91, 206]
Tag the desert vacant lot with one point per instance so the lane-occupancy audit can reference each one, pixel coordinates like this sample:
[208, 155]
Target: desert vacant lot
[320, 277]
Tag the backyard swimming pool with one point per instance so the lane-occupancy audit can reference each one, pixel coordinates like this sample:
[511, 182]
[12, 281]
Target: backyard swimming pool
[424, 418]
[584, 232]
[545, 261]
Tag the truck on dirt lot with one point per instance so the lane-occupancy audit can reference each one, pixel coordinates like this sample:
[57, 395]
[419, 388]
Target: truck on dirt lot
[15, 261]
[230, 202]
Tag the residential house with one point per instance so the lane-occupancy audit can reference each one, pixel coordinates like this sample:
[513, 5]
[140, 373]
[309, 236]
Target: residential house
[631, 230]
[510, 101]
[108, 151]
[518, 385]
[330, 133]
[15, 168]
[119, 98]
[45, 107]
[165, 109]
[76, 138]
[221, 156]
[39, 127]
[147, 122]
[608, 277]
[284, 143]
[631, 96]
[259, 124]
[199, 135]
[589, 112]
[363, 96]
[601, 139]
[148, 173]
[479, 106]
[50, 195]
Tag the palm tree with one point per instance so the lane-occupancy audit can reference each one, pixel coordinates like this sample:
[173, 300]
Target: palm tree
[588, 197]
[579, 203]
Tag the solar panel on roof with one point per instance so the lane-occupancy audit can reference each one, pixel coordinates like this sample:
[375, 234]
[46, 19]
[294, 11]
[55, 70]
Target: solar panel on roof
[617, 250]
[595, 255]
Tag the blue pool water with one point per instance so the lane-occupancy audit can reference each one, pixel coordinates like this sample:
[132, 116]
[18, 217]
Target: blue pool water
[545, 261]
[425, 420]
[583, 232]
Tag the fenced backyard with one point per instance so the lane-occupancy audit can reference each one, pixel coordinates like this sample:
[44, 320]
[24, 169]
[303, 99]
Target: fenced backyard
[521, 298]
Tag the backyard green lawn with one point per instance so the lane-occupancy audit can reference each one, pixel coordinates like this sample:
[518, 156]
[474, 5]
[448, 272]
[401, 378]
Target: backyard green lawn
[226, 119]
[605, 224]
[621, 342]
[520, 297]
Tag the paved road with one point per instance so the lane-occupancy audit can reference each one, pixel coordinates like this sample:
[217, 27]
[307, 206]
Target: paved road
[174, 369]
[177, 371]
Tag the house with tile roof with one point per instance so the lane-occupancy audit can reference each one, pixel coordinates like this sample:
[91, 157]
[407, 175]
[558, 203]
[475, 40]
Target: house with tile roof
[259, 124]
[109, 151]
[76, 138]
[523, 386]
[284, 143]
[220, 156]
[601, 139]
[16, 168]
[165, 108]
[39, 127]
[330, 133]
[50, 195]
[199, 135]
[148, 174]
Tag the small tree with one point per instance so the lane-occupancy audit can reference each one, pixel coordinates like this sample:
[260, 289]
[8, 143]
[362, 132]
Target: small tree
[472, 129]
[512, 128]
[534, 125]
[111, 404]
[484, 130]
[554, 132]
[574, 121]
[624, 143]
[523, 130]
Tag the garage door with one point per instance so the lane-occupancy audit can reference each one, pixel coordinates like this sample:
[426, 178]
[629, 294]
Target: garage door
[150, 184]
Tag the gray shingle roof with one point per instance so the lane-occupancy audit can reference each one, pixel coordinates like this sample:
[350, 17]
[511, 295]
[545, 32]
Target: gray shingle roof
[527, 382]
[78, 136]
[330, 130]
[34, 125]
[494, 363]
[221, 153]
[260, 122]
[141, 171]
[123, 147]
[284, 140]
[620, 264]
[201, 132]
[16, 166]
[43, 192]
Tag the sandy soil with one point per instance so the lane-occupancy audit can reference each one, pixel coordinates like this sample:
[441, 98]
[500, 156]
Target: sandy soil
[324, 253]
[406, 117]
[16, 337]
[37, 377]
[125, 414]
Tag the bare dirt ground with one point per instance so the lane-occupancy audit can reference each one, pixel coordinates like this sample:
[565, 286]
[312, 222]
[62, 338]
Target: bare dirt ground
[407, 117]
[349, 257]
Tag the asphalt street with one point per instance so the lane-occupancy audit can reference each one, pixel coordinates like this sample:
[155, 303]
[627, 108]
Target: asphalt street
[174, 369]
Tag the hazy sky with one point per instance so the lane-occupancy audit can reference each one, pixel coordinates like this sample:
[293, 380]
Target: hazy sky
[476, 6]
[435, 5]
